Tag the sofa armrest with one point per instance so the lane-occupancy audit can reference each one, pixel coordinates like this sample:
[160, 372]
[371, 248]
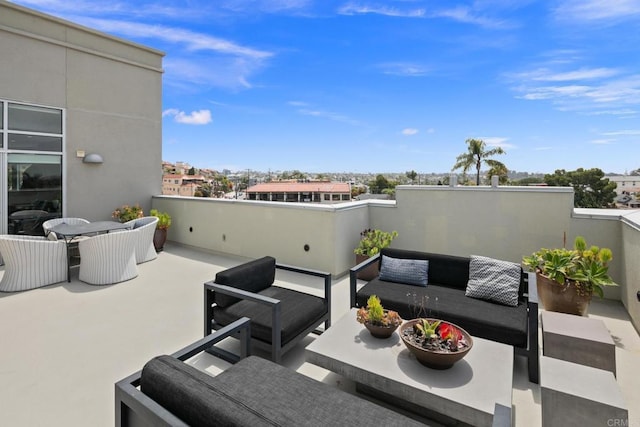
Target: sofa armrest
[532, 287]
[133, 406]
[353, 277]
[316, 273]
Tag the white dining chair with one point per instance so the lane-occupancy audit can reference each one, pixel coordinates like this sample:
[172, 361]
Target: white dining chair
[108, 258]
[144, 229]
[31, 262]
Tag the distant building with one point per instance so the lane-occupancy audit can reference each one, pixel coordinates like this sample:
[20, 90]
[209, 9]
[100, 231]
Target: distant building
[181, 185]
[301, 192]
[626, 184]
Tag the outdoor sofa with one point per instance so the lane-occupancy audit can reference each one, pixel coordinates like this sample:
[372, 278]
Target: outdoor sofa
[440, 292]
[252, 392]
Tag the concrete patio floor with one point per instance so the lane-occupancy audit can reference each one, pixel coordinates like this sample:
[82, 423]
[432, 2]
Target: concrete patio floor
[64, 346]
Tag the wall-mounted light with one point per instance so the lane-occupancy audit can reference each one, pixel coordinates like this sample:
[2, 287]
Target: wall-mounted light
[92, 158]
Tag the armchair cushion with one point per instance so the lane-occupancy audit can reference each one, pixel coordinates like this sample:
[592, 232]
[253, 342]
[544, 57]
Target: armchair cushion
[298, 311]
[253, 276]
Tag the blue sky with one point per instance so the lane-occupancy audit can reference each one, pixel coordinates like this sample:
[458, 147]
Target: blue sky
[387, 85]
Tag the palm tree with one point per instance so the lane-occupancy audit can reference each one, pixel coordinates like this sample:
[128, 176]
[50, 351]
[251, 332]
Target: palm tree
[475, 156]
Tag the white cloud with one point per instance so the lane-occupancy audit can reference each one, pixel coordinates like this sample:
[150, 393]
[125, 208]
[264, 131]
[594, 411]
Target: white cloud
[545, 74]
[336, 117]
[579, 88]
[200, 117]
[626, 132]
[597, 10]
[602, 141]
[404, 69]
[497, 141]
[358, 9]
[409, 131]
[193, 41]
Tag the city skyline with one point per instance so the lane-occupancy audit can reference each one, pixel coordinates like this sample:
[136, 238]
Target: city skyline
[387, 86]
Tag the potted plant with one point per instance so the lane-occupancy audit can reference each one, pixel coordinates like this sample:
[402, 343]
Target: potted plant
[371, 242]
[568, 278]
[380, 322]
[160, 235]
[126, 213]
[436, 343]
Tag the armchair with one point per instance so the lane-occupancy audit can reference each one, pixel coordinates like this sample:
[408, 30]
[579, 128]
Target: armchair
[144, 229]
[280, 317]
[31, 262]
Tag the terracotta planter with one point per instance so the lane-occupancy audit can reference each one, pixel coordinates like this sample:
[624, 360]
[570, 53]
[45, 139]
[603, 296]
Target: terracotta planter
[380, 331]
[159, 237]
[561, 298]
[369, 273]
[431, 358]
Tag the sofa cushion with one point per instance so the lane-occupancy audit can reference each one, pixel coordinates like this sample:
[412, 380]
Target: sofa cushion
[408, 271]
[484, 319]
[256, 392]
[446, 270]
[298, 311]
[252, 276]
[494, 280]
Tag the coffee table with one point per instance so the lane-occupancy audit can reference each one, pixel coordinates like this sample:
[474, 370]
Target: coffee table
[470, 392]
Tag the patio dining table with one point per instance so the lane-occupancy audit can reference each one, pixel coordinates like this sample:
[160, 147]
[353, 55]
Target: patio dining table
[69, 232]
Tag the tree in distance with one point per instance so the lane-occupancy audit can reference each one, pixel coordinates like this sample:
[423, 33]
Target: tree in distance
[591, 188]
[476, 156]
[412, 175]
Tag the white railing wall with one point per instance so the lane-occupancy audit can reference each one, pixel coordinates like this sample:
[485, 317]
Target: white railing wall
[501, 222]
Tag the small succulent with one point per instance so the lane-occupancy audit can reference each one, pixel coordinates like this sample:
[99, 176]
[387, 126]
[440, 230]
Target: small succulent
[374, 313]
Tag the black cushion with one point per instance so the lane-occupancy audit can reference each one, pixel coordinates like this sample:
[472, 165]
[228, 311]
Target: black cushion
[192, 395]
[256, 392]
[446, 270]
[298, 312]
[480, 318]
[252, 276]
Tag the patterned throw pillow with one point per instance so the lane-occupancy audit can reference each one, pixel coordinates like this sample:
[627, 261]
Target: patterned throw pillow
[493, 280]
[409, 271]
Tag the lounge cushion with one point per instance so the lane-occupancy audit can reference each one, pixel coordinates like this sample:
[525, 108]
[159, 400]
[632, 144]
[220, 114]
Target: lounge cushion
[484, 319]
[493, 280]
[252, 276]
[408, 271]
[256, 392]
[298, 311]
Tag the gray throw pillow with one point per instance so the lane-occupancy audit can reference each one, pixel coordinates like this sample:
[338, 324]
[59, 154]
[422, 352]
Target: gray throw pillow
[493, 280]
[409, 271]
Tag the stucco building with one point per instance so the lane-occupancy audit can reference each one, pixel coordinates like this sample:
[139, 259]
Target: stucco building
[80, 121]
[309, 192]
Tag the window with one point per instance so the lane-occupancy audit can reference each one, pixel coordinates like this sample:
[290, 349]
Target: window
[327, 197]
[31, 150]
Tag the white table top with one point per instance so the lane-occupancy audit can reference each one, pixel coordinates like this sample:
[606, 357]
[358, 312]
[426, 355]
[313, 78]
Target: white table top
[468, 391]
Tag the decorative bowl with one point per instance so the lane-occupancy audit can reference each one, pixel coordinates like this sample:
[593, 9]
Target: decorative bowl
[433, 358]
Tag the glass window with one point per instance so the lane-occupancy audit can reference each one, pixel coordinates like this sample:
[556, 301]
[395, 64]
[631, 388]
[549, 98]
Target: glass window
[34, 183]
[34, 142]
[1, 118]
[34, 119]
